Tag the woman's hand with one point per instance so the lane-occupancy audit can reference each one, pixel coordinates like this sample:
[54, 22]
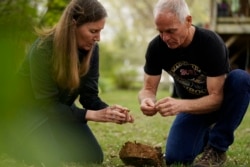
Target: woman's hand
[119, 114]
[116, 114]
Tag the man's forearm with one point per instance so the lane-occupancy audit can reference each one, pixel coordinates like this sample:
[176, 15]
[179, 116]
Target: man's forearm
[144, 94]
[202, 105]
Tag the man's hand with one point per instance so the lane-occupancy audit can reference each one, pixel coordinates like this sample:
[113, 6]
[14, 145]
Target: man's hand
[148, 107]
[168, 106]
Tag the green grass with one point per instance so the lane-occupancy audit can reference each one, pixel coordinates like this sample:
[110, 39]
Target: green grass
[147, 130]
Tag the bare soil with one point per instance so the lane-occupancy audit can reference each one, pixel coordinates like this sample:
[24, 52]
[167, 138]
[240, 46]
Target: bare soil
[141, 155]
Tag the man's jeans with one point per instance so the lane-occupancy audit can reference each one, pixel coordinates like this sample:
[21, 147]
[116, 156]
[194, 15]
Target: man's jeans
[190, 133]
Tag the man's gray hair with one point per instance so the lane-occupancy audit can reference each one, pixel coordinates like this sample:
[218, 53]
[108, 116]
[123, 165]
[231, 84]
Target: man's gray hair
[177, 7]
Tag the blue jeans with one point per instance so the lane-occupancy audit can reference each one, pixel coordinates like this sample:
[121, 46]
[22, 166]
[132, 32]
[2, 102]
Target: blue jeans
[190, 133]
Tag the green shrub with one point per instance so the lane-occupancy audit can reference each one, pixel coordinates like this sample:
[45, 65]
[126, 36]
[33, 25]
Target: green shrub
[124, 78]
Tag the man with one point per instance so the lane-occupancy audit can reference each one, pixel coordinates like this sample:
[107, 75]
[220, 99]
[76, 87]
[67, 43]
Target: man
[212, 99]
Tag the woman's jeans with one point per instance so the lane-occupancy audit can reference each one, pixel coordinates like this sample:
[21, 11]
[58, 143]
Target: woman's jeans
[189, 133]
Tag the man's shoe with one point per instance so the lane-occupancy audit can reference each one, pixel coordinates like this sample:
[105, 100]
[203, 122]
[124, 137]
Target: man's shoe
[211, 157]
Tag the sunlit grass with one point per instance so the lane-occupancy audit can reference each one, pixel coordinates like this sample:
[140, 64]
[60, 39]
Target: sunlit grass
[147, 130]
[154, 130]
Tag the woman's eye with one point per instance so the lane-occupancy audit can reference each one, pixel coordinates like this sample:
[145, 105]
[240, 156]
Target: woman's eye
[93, 31]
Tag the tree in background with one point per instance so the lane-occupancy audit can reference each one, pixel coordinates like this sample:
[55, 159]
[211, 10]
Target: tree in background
[52, 11]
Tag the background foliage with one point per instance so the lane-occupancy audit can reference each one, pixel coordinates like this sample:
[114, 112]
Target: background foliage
[128, 30]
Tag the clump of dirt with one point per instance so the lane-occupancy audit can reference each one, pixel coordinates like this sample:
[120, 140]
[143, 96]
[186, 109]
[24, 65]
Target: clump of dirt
[139, 155]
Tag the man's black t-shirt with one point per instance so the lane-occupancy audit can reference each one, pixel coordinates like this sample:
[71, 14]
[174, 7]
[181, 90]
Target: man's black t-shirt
[205, 56]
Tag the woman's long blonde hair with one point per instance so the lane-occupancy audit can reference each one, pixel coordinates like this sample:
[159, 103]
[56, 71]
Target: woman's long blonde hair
[66, 67]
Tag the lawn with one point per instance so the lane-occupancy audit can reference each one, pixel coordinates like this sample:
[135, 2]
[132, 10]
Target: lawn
[147, 130]
[154, 130]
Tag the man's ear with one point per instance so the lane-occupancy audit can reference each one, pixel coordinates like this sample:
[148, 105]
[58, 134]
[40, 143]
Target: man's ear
[189, 20]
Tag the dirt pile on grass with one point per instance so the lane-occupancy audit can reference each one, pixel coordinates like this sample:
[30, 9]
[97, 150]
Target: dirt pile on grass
[139, 155]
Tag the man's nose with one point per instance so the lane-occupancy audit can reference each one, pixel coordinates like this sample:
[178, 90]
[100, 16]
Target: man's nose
[165, 36]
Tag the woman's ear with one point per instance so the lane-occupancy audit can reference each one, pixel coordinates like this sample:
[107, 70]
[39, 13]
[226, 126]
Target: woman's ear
[74, 22]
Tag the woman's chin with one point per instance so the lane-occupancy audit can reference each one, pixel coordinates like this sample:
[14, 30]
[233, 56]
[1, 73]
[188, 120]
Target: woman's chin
[87, 48]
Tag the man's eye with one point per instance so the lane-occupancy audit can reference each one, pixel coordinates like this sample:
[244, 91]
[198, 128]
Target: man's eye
[167, 32]
[171, 31]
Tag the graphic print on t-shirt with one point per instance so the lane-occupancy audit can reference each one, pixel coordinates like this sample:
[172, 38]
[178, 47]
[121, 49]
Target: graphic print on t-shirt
[190, 76]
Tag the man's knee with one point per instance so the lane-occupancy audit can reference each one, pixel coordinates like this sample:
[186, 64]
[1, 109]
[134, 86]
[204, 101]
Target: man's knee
[238, 80]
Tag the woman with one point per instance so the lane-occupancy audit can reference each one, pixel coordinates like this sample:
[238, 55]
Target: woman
[61, 66]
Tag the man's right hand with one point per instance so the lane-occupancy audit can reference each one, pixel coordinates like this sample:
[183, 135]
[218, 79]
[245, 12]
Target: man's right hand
[148, 107]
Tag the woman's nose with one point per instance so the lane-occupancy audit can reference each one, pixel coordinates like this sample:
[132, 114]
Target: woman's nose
[97, 37]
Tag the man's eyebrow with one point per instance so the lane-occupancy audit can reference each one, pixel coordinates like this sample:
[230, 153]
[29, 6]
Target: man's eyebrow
[167, 30]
